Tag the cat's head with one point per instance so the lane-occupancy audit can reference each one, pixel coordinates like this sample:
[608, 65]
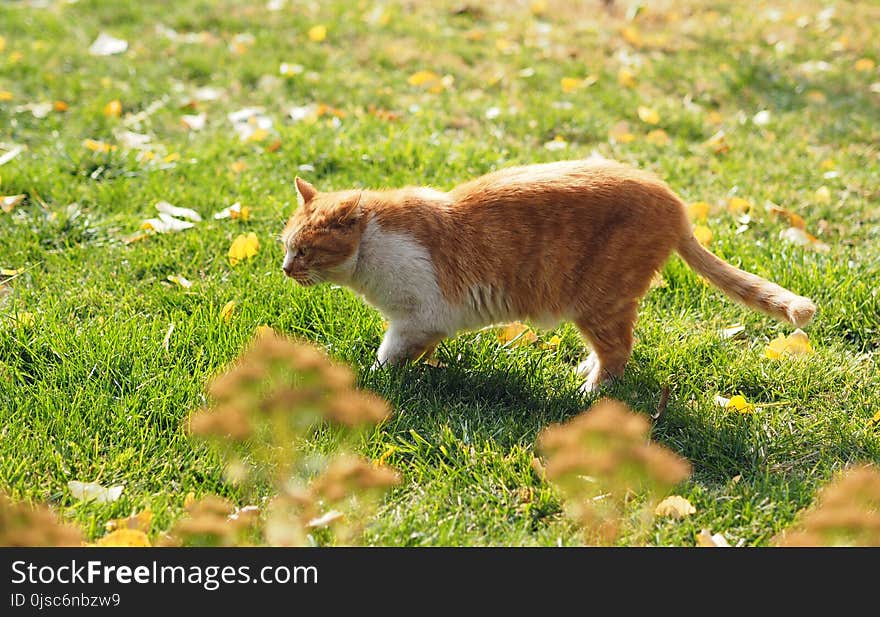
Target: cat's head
[322, 237]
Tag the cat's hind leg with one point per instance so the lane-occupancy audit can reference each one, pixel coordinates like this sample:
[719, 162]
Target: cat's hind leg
[611, 336]
[405, 341]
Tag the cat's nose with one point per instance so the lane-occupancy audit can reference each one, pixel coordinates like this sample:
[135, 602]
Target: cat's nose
[288, 269]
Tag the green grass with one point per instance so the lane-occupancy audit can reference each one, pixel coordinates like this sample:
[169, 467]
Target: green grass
[88, 392]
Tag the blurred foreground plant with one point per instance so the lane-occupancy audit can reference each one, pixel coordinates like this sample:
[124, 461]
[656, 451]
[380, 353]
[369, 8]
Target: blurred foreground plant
[600, 459]
[846, 513]
[24, 525]
[266, 408]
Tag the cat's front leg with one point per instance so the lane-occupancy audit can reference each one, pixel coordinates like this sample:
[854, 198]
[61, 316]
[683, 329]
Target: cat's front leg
[406, 341]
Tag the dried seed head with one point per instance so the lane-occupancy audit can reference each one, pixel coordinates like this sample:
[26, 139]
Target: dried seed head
[228, 421]
[354, 408]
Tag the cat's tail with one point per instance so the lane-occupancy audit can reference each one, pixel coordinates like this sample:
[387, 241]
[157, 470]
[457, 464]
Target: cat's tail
[749, 289]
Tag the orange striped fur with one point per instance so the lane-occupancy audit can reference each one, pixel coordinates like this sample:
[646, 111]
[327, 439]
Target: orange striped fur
[571, 240]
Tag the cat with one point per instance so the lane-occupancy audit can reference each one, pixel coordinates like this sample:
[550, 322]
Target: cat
[572, 240]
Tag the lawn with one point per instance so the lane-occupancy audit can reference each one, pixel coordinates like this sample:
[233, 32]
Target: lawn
[767, 102]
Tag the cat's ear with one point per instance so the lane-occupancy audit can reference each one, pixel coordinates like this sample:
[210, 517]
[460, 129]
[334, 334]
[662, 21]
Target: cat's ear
[305, 189]
[350, 210]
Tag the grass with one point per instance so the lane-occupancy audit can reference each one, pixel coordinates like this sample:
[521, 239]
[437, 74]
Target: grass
[88, 391]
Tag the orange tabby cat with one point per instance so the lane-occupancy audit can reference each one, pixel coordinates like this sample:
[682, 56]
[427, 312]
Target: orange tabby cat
[572, 240]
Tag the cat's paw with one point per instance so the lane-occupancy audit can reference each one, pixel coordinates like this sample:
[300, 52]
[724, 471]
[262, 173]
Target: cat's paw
[586, 367]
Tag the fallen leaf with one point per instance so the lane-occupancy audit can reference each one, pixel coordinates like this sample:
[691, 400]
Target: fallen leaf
[60, 106]
[698, 211]
[227, 310]
[552, 342]
[123, 538]
[186, 213]
[318, 33]
[243, 247]
[8, 203]
[5, 95]
[170, 158]
[827, 165]
[675, 506]
[864, 65]
[166, 224]
[288, 69]
[739, 403]
[874, 421]
[795, 220]
[709, 540]
[235, 211]
[325, 520]
[762, 118]
[658, 137]
[167, 340]
[180, 280]
[557, 143]
[796, 344]
[194, 122]
[238, 166]
[632, 36]
[11, 154]
[570, 84]
[139, 522]
[113, 109]
[620, 133]
[798, 236]
[189, 500]
[264, 331]
[703, 234]
[98, 146]
[823, 195]
[106, 45]
[626, 78]
[423, 78]
[732, 331]
[737, 206]
[648, 115]
[517, 334]
[718, 143]
[92, 491]
[10, 272]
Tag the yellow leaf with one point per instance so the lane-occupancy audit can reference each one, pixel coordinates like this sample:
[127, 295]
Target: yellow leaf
[7, 272]
[15, 57]
[714, 117]
[718, 143]
[823, 195]
[552, 343]
[264, 331]
[620, 133]
[703, 234]
[738, 206]
[243, 247]
[140, 522]
[827, 165]
[740, 404]
[238, 166]
[570, 84]
[626, 78]
[5, 95]
[60, 106]
[675, 506]
[258, 135]
[795, 344]
[648, 115]
[864, 65]
[658, 137]
[632, 36]
[816, 96]
[516, 335]
[423, 78]
[174, 156]
[124, 537]
[189, 500]
[98, 146]
[113, 109]
[698, 211]
[227, 310]
[874, 420]
[318, 33]
[538, 7]
[2, 43]
[796, 220]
